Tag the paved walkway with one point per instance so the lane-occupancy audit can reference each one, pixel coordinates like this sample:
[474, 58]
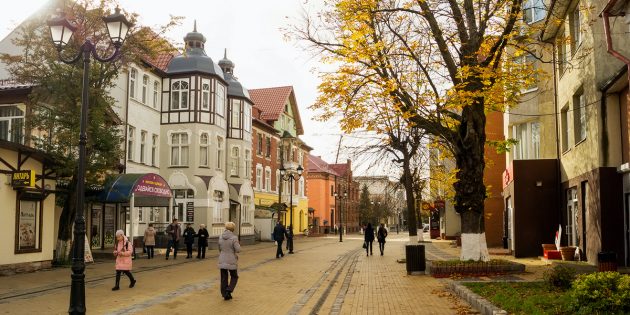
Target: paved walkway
[323, 277]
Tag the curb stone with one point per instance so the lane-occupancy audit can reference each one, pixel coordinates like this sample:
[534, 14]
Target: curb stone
[482, 305]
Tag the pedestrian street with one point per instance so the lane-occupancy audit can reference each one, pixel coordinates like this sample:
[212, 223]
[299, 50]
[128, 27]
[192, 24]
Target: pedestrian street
[324, 276]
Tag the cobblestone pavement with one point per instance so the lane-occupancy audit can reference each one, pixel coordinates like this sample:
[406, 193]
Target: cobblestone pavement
[324, 276]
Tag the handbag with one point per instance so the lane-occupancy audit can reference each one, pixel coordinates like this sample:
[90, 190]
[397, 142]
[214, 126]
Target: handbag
[365, 245]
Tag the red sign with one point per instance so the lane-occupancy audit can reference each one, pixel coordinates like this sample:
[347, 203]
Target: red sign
[152, 185]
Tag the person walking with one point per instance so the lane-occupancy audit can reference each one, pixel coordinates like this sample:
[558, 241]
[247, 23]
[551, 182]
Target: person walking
[228, 260]
[202, 242]
[149, 240]
[369, 239]
[290, 239]
[381, 235]
[279, 232]
[122, 251]
[175, 232]
[189, 239]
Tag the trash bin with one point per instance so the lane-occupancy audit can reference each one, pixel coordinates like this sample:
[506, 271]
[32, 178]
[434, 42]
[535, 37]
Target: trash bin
[415, 258]
[607, 261]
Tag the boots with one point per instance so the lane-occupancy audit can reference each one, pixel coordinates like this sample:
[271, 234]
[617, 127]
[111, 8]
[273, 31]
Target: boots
[117, 287]
[132, 281]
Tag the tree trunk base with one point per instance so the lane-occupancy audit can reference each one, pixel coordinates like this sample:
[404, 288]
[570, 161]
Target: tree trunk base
[474, 247]
[62, 251]
[420, 236]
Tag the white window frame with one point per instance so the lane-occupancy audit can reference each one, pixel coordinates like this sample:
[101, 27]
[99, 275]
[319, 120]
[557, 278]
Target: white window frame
[217, 216]
[528, 136]
[268, 178]
[579, 117]
[220, 144]
[572, 216]
[143, 145]
[301, 187]
[145, 88]
[180, 93]
[180, 144]
[131, 142]
[156, 94]
[154, 149]
[248, 163]
[204, 149]
[220, 100]
[537, 9]
[259, 177]
[8, 115]
[235, 156]
[564, 121]
[205, 94]
[247, 117]
[575, 21]
[133, 78]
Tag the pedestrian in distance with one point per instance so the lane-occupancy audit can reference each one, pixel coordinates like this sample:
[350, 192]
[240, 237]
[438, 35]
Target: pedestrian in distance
[381, 235]
[122, 251]
[279, 232]
[174, 231]
[369, 239]
[290, 239]
[189, 239]
[149, 240]
[228, 260]
[202, 241]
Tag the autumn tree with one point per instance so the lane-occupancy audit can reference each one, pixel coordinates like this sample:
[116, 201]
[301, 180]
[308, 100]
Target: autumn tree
[56, 97]
[441, 65]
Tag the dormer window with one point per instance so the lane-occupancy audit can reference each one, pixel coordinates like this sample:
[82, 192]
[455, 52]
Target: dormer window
[179, 95]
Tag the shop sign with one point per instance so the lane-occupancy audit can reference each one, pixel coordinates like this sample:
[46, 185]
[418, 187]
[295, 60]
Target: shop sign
[190, 212]
[23, 178]
[152, 185]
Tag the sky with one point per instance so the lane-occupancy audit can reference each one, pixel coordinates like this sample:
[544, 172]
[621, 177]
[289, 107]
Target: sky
[251, 32]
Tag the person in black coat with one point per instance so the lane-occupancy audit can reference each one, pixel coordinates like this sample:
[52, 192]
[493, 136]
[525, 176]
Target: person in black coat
[381, 235]
[290, 240]
[189, 239]
[202, 242]
[279, 232]
[369, 239]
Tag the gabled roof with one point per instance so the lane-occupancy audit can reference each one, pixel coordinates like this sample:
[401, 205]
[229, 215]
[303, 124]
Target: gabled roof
[317, 165]
[271, 102]
[340, 169]
[161, 60]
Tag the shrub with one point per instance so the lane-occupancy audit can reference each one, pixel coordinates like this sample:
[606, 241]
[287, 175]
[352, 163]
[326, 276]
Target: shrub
[601, 293]
[559, 277]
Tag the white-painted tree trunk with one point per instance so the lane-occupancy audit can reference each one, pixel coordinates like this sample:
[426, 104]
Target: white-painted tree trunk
[420, 236]
[474, 247]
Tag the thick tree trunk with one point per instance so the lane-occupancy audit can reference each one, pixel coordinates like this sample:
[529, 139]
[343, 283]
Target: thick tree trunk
[470, 191]
[66, 221]
[411, 211]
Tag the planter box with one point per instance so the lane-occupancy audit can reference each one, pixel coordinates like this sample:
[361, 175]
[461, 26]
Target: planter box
[447, 269]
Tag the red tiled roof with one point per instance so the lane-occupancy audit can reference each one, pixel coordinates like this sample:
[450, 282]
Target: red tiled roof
[270, 101]
[340, 169]
[316, 164]
[161, 60]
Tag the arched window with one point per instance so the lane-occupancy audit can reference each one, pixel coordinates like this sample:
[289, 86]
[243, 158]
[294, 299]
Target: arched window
[179, 95]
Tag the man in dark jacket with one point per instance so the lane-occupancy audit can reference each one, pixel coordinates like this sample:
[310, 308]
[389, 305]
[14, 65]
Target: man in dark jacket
[175, 232]
[290, 239]
[368, 238]
[189, 239]
[202, 243]
[279, 232]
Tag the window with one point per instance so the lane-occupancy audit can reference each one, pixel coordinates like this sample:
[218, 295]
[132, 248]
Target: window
[561, 51]
[12, 124]
[156, 94]
[268, 179]
[301, 187]
[247, 117]
[179, 149]
[234, 157]
[143, 144]
[528, 137]
[574, 22]
[533, 11]
[203, 149]
[133, 77]
[260, 144]
[247, 214]
[259, 177]
[145, 88]
[572, 216]
[185, 201]
[179, 95]
[28, 233]
[154, 144]
[219, 153]
[236, 115]
[205, 96]
[248, 163]
[130, 141]
[268, 153]
[332, 190]
[220, 100]
[528, 64]
[579, 116]
[218, 206]
[564, 113]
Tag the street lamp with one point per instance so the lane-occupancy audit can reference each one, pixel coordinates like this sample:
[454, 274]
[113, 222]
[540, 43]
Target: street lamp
[61, 31]
[345, 195]
[290, 175]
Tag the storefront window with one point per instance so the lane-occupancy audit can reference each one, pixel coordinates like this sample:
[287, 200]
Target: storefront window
[28, 232]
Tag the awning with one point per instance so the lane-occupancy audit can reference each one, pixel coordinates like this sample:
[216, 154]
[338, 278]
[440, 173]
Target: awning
[120, 187]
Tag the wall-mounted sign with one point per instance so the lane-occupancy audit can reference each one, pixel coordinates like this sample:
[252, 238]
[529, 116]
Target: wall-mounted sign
[152, 185]
[23, 178]
[190, 212]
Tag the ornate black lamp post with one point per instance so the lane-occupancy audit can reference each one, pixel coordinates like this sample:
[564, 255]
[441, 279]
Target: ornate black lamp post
[345, 195]
[290, 175]
[61, 31]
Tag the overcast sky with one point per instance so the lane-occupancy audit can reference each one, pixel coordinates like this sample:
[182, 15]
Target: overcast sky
[250, 30]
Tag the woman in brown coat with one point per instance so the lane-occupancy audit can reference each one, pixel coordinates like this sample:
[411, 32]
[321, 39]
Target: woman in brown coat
[149, 240]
